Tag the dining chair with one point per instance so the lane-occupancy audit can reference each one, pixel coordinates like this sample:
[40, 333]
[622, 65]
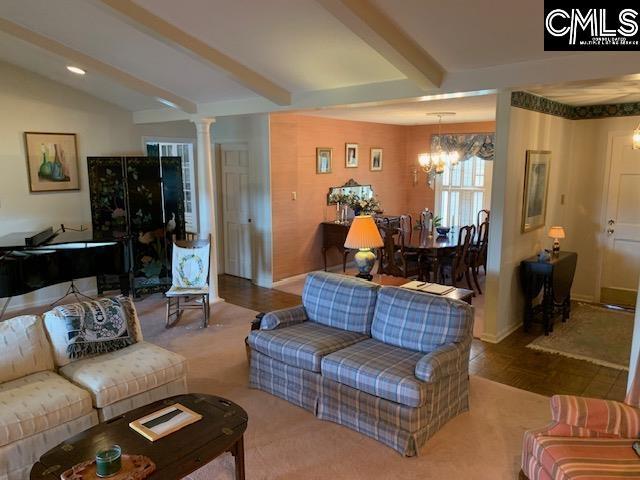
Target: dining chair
[190, 279]
[459, 264]
[479, 218]
[394, 259]
[479, 253]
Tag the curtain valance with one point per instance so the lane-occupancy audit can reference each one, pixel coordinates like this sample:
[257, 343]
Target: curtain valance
[467, 145]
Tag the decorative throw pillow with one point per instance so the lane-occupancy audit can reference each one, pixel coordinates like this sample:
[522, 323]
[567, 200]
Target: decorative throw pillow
[190, 267]
[98, 326]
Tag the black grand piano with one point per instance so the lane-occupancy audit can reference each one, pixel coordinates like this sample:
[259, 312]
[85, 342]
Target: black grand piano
[29, 262]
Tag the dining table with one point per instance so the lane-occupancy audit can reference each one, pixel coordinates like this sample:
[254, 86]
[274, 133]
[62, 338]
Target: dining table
[431, 248]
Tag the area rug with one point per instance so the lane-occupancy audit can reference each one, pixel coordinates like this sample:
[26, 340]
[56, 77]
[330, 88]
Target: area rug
[285, 442]
[597, 334]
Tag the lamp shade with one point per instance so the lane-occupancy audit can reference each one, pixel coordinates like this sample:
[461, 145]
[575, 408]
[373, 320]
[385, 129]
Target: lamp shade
[556, 232]
[363, 233]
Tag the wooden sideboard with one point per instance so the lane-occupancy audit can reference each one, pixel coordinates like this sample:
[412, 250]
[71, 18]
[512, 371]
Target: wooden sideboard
[334, 235]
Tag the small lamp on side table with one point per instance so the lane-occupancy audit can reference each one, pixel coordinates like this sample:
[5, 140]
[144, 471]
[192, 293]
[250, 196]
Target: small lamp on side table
[556, 233]
[364, 235]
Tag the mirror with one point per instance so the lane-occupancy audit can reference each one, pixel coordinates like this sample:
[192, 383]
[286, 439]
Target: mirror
[363, 191]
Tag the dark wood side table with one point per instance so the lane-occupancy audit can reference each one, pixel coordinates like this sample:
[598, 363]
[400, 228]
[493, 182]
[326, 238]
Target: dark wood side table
[334, 236]
[554, 277]
[177, 455]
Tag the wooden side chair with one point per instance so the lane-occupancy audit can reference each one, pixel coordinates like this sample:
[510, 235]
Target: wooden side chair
[459, 264]
[393, 258]
[479, 253]
[483, 216]
[190, 273]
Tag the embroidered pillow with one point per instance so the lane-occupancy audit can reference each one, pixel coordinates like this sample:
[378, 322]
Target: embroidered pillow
[97, 326]
[190, 267]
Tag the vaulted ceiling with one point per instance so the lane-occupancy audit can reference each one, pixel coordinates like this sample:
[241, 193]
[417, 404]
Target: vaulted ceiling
[222, 57]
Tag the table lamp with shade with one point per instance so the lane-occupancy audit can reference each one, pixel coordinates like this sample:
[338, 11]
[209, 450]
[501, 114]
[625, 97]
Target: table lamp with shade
[364, 235]
[556, 232]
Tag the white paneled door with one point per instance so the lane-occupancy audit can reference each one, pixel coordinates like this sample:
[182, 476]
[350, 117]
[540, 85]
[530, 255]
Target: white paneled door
[621, 266]
[236, 210]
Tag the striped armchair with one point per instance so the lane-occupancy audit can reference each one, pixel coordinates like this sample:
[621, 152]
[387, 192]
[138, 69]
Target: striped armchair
[588, 438]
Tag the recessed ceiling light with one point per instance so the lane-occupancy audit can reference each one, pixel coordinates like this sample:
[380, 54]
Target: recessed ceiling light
[76, 70]
[166, 102]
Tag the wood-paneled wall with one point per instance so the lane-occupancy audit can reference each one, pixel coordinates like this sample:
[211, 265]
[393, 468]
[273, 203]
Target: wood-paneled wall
[294, 138]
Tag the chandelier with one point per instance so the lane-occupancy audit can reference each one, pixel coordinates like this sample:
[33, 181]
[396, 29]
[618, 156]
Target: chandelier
[435, 163]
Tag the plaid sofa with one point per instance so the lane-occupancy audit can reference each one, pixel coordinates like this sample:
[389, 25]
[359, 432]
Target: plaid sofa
[588, 438]
[387, 362]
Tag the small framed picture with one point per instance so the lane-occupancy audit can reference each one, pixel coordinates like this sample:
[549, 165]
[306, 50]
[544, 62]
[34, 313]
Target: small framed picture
[323, 160]
[52, 161]
[536, 186]
[376, 160]
[351, 155]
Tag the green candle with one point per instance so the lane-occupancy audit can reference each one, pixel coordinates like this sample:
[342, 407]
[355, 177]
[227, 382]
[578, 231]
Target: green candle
[108, 461]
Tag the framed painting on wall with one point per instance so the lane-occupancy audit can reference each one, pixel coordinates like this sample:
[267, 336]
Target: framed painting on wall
[323, 160]
[52, 161]
[536, 186]
[376, 160]
[351, 155]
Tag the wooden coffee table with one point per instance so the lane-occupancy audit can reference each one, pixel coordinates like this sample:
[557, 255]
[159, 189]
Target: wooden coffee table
[176, 455]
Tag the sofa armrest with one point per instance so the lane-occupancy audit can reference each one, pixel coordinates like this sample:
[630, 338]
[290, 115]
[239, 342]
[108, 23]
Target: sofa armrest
[443, 361]
[283, 318]
[594, 417]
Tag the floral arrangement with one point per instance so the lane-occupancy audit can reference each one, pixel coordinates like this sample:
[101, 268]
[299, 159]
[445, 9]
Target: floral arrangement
[362, 206]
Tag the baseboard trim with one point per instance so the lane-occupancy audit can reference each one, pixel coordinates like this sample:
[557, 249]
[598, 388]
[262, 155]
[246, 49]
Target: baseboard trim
[490, 338]
[301, 276]
[583, 298]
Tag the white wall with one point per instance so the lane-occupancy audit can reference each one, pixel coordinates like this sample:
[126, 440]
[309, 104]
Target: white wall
[578, 177]
[587, 197]
[519, 130]
[254, 131]
[34, 103]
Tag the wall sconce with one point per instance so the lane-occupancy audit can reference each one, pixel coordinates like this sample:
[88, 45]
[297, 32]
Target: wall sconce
[636, 138]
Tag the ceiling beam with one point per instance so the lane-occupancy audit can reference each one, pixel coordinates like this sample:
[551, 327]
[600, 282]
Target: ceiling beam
[171, 34]
[373, 26]
[91, 64]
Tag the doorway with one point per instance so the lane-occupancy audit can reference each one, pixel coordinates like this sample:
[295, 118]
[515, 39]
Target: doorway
[236, 211]
[621, 260]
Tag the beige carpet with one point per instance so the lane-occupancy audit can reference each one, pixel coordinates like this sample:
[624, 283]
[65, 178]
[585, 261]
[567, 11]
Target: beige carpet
[286, 442]
[296, 285]
[593, 333]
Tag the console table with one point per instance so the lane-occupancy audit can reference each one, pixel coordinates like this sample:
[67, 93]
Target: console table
[334, 235]
[554, 277]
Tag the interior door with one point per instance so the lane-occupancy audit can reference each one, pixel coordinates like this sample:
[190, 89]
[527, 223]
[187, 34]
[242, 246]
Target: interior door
[621, 267]
[235, 210]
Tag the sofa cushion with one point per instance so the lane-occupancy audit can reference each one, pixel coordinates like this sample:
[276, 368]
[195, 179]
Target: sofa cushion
[124, 373]
[64, 328]
[339, 301]
[38, 402]
[420, 321]
[566, 458]
[302, 345]
[24, 348]
[379, 369]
